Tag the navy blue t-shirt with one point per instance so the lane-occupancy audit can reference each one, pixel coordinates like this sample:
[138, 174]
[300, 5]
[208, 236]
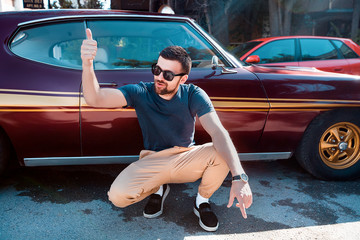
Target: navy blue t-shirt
[167, 123]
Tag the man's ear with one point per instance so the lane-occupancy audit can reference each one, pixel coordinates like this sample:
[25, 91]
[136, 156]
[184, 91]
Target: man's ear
[183, 79]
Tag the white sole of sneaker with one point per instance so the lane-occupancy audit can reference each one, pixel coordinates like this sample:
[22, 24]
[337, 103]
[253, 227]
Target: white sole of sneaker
[162, 205]
[202, 225]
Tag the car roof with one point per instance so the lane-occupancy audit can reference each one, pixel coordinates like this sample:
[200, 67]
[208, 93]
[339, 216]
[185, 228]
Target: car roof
[300, 36]
[57, 12]
[21, 17]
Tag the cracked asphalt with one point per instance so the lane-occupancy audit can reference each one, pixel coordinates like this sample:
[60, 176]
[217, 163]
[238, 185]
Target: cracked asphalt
[71, 203]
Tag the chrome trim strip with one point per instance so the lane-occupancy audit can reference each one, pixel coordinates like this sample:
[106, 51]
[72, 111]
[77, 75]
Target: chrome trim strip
[58, 161]
[103, 16]
[264, 156]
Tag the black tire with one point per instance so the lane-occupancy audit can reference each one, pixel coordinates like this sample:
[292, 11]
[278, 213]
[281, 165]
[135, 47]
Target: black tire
[330, 147]
[5, 151]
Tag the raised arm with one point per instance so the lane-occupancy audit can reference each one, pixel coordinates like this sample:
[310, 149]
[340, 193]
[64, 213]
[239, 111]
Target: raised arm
[225, 147]
[93, 94]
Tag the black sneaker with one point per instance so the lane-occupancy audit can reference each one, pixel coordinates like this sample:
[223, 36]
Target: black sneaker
[154, 206]
[207, 218]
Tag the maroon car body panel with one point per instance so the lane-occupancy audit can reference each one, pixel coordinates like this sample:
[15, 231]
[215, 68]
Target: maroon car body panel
[42, 131]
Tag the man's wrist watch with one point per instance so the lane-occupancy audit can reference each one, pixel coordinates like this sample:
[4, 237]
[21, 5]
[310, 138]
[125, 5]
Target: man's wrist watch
[242, 177]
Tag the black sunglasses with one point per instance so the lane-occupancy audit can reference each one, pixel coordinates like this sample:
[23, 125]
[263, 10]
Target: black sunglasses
[168, 75]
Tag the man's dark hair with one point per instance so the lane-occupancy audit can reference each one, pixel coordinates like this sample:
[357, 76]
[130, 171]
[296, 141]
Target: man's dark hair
[179, 54]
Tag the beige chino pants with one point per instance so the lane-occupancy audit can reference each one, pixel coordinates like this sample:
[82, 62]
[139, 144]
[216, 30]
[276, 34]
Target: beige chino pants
[173, 165]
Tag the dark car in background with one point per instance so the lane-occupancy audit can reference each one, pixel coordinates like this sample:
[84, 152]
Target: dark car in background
[339, 55]
[269, 112]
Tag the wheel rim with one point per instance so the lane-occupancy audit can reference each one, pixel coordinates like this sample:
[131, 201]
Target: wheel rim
[339, 145]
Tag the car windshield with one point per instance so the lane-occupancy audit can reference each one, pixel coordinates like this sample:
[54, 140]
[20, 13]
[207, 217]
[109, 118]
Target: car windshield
[243, 48]
[228, 53]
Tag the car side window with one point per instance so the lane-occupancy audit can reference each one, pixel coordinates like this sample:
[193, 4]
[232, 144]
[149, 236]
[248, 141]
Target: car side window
[277, 51]
[124, 44]
[55, 44]
[317, 49]
[346, 51]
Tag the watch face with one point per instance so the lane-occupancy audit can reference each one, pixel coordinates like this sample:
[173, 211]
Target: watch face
[244, 177]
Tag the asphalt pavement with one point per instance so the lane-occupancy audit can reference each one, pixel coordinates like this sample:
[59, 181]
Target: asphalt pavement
[71, 203]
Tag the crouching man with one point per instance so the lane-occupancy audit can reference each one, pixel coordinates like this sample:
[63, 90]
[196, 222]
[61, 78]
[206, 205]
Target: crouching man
[166, 110]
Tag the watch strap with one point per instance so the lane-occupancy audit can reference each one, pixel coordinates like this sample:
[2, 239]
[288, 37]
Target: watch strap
[236, 178]
[242, 177]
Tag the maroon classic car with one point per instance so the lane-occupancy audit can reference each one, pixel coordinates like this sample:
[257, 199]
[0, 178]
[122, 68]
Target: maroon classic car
[270, 113]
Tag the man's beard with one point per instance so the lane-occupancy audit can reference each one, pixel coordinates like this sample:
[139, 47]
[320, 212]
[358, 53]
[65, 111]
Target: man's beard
[166, 91]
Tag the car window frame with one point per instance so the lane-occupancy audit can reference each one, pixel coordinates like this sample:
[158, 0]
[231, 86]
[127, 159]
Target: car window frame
[85, 18]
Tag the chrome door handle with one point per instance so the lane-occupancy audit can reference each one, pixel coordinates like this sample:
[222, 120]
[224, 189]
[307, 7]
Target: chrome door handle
[113, 85]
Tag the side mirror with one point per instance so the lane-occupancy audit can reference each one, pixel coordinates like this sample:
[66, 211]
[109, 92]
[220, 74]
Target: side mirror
[214, 62]
[253, 59]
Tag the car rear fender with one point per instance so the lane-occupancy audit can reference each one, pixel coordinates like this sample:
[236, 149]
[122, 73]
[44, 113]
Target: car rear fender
[355, 111]
[296, 98]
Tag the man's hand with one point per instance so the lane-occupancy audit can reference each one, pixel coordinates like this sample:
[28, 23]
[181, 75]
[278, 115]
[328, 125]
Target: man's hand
[242, 192]
[226, 149]
[88, 49]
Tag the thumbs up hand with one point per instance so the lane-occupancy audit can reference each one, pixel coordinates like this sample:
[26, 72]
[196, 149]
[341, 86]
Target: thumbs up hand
[88, 49]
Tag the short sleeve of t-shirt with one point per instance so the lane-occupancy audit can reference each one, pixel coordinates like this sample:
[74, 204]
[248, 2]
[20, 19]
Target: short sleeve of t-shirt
[199, 101]
[130, 92]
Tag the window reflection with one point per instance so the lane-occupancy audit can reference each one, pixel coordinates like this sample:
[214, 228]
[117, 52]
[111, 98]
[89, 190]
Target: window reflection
[55, 44]
[137, 44]
[345, 50]
[122, 44]
[277, 51]
[317, 49]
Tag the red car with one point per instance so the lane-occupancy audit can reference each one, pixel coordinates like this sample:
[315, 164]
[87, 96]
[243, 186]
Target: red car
[270, 112]
[330, 54]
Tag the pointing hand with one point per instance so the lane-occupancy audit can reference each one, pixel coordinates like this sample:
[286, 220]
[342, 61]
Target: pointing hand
[242, 192]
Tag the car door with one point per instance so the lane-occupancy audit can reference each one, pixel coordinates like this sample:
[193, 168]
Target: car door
[41, 90]
[129, 48]
[322, 54]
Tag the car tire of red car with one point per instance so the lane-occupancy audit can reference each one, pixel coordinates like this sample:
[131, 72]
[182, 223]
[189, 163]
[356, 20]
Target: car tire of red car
[330, 147]
[5, 152]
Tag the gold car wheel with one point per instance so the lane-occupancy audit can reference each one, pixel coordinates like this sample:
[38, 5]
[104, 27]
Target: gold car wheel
[339, 145]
